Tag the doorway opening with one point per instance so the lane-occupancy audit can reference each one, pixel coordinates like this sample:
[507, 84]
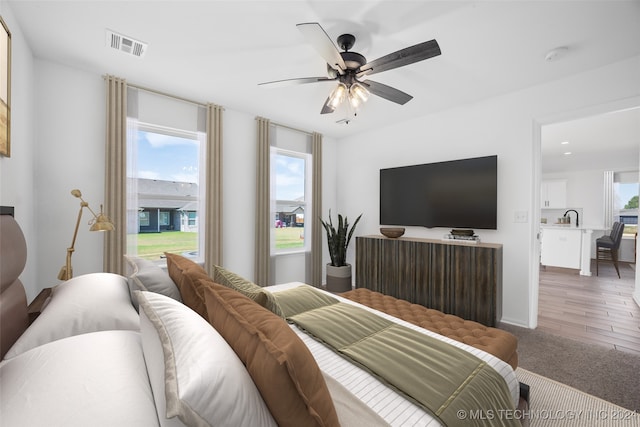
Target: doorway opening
[595, 309]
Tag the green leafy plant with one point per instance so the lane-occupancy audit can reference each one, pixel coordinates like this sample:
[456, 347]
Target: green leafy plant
[338, 238]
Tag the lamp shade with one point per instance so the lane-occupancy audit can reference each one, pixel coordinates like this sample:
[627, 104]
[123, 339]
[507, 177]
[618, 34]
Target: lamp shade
[102, 223]
[336, 97]
[99, 222]
[358, 93]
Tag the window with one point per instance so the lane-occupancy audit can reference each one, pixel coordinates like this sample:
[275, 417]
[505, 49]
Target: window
[143, 218]
[164, 219]
[164, 152]
[290, 181]
[626, 205]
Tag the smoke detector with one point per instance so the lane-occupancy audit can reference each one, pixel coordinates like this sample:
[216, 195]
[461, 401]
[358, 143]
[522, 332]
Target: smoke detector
[126, 44]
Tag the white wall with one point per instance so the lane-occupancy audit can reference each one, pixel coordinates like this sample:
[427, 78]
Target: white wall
[58, 144]
[70, 154]
[17, 186]
[238, 192]
[504, 126]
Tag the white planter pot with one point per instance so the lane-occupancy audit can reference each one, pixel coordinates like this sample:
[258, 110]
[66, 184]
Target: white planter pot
[338, 278]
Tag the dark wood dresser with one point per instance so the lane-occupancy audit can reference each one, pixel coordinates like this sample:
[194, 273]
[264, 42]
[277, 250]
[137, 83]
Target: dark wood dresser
[459, 278]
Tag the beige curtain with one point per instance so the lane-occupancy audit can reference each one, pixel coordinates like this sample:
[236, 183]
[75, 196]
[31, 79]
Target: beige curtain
[115, 190]
[263, 200]
[213, 199]
[263, 269]
[316, 211]
[116, 179]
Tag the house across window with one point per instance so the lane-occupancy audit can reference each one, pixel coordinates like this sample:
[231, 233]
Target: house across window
[164, 204]
[290, 175]
[166, 194]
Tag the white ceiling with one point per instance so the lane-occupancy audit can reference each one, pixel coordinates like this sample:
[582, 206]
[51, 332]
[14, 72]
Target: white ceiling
[218, 51]
[606, 141]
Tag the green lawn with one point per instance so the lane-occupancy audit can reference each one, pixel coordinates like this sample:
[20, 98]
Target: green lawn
[153, 245]
[290, 238]
[630, 229]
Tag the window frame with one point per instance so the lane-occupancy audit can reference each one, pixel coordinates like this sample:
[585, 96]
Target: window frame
[619, 211]
[305, 203]
[184, 134]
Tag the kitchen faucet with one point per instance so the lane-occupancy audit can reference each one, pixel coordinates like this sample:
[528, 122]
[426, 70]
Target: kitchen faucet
[577, 216]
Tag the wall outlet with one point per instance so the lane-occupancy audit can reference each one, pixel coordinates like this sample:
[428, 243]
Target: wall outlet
[520, 216]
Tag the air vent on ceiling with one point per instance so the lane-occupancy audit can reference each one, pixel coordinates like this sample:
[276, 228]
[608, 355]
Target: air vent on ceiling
[126, 44]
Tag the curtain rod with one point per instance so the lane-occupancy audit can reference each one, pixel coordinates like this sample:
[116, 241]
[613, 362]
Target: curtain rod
[157, 92]
[306, 132]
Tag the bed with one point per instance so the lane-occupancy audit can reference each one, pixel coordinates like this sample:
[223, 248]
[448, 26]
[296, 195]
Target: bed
[177, 347]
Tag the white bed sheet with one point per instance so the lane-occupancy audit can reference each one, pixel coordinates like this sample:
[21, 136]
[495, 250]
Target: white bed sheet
[394, 408]
[97, 379]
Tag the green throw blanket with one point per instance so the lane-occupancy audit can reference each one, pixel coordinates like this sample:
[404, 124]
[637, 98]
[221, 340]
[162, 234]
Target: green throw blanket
[450, 383]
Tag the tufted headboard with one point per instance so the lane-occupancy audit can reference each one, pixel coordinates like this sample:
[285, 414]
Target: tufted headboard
[14, 318]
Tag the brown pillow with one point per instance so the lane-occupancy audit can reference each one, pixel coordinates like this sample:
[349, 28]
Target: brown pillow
[280, 364]
[185, 274]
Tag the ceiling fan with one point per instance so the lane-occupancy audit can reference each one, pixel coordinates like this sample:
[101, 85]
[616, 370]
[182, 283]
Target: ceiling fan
[351, 69]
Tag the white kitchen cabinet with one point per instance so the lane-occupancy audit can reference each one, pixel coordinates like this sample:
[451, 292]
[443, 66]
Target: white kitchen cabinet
[561, 247]
[553, 194]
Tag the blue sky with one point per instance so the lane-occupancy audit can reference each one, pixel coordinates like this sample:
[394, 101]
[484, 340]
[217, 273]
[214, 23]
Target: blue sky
[171, 158]
[289, 177]
[167, 158]
[626, 192]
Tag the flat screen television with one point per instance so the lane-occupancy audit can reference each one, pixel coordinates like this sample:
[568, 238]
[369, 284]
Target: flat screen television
[458, 194]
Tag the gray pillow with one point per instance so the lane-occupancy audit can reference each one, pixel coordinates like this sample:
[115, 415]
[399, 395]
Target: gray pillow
[145, 275]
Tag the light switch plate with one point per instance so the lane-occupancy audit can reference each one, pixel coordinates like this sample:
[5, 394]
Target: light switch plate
[520, 216]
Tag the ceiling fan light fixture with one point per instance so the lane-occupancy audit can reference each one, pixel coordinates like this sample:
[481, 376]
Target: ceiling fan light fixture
[337, 96]
[358, 94]
[354, 101]
[348, 66]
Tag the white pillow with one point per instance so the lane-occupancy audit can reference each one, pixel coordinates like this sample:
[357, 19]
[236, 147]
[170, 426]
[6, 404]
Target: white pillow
[88, 303]
[97, 379]
[195, 375]
[145, 275]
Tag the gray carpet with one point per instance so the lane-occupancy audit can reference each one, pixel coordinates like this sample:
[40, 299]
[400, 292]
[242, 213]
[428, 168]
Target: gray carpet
[609, 374]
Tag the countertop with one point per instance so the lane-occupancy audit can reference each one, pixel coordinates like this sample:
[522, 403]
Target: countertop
[573, 227]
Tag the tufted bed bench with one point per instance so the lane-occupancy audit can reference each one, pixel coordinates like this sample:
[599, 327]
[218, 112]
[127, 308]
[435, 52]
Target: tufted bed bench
[495, 341]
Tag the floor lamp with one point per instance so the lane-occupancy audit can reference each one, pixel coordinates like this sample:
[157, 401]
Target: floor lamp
[99, 222]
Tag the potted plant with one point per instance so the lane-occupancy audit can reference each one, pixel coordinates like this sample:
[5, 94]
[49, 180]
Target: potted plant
[338, 271]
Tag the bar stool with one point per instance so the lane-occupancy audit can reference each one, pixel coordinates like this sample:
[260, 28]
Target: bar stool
[607, 247]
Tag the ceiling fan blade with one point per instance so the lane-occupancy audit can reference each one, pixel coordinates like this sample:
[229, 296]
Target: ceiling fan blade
[387, 92]
[298, 81]
[326, 108]
[320, 40]
[400, 58]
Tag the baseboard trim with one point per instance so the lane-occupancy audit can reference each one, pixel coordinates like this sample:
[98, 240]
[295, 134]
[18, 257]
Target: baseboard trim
[514, 323]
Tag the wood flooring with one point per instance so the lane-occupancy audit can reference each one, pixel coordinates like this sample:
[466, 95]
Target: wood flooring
[593, 309]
